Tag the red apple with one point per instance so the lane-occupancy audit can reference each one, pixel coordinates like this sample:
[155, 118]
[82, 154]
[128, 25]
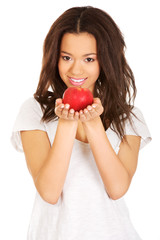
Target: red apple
[78, 98]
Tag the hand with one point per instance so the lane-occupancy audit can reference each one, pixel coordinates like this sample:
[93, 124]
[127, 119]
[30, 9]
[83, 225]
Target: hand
[92, 111]
[63, 111]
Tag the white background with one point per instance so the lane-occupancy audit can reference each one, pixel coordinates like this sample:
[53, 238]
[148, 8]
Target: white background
[23, 27]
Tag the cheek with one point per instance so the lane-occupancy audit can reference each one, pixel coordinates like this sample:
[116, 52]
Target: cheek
[62, 68]
[95, 71]
[59, 66]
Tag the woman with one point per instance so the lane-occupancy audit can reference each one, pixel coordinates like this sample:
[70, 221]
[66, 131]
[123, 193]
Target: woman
[82, 163]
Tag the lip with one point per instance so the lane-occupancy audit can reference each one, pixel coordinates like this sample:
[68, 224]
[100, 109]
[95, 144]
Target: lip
[77, 81]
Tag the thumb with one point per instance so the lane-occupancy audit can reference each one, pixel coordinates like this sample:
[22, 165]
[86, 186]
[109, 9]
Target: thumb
[58, 102]
[97, 100]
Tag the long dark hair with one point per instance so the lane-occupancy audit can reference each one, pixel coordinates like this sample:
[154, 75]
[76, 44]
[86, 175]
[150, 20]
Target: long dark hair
[115, 85]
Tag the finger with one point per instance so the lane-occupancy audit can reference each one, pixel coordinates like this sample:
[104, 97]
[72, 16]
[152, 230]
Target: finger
[87, 114]
[99, 109]
[97, 100]
[65, 111]
[58, 102]
[76, 115]
[58, 109]
[97, 105]
[71, 114]
[92, 111]
[82, 116]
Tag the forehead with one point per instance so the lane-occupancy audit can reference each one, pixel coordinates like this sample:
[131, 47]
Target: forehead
[81, 43]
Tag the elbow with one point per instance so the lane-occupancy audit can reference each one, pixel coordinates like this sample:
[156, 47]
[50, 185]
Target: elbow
[116, 196]
[118, 190]
[46, 195]
[117, 193]
[49, 199]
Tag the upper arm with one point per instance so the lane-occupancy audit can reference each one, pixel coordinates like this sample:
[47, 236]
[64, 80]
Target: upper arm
[36, 146]
[128, 153]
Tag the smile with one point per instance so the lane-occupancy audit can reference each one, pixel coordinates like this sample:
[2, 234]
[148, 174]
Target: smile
[77, 81]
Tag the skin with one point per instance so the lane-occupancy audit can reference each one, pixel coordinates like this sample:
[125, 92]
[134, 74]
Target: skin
[78, 59]
[48, 164]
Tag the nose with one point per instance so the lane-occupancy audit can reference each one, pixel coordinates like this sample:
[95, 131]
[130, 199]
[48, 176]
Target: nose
[76, 68]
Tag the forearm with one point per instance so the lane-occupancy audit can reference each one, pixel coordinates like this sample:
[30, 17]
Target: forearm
[114, 175]
[51, 177]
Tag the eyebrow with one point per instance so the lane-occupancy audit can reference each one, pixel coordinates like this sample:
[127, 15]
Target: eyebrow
[85, 55]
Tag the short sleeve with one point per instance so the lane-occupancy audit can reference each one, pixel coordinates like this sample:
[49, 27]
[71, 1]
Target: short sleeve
[28, 118]
[138, 127]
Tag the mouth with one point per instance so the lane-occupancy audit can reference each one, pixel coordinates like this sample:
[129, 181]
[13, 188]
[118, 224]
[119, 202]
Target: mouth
[77, 81]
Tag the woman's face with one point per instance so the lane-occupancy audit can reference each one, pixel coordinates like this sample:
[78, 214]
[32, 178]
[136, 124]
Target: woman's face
[78, 64]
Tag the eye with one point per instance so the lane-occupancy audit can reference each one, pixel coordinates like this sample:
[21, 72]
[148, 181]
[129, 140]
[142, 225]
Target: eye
[66, 58]
[89, 59]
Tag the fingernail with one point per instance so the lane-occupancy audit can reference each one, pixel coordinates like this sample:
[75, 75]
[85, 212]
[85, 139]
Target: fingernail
[62, 106]
[67, 106]
[71, 111]
[94, 106]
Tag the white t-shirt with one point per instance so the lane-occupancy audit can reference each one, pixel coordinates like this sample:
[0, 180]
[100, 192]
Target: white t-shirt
[84, 211]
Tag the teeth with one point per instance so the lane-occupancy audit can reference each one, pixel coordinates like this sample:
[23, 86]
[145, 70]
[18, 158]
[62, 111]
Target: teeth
[79, 80]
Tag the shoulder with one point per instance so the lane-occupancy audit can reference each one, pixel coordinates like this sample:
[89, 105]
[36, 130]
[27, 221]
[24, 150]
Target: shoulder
[137, 113]
[31, 107]
[137, 126]
[31, 103]
[28, 118]
[137, 119]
